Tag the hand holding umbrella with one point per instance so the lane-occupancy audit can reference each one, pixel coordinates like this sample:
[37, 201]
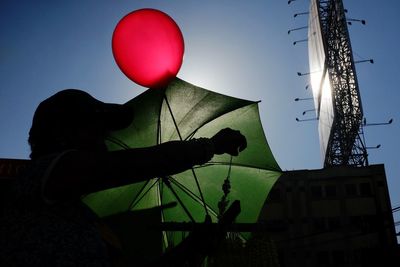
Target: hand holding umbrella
[229, 141]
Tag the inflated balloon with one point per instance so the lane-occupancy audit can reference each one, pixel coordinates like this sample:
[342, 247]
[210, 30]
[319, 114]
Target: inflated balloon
[148, 47]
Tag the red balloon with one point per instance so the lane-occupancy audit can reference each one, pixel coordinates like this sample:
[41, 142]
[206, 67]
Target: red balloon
[148, 47]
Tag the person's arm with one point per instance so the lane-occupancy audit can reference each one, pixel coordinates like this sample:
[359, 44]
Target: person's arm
[82, 172]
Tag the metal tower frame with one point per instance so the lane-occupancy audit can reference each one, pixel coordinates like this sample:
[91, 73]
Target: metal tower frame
[346, 145]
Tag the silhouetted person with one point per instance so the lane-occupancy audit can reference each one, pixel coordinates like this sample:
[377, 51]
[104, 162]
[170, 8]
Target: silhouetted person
[45, 223]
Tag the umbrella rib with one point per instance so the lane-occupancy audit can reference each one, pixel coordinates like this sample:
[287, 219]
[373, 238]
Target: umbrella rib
[164, 233]
[160, 185]
[134, 203]
[117, 141]
[214, 163]
[191, 194]
[158, 141]
[168, 184]
[194, 107]
[173, 117]
[194, 197]
[134, 200]
[180, 137]
[190, 135]
[138, 194]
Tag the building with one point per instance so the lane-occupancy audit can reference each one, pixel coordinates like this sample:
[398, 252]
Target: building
[9, 168]
[338, 216]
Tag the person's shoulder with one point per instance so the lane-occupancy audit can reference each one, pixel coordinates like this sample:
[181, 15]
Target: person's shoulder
[31, 179]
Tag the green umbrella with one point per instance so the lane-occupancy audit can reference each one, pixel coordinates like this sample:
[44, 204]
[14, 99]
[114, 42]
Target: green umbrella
[180, 112]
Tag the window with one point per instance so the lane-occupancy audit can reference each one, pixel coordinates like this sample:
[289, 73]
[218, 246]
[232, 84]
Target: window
[365, 189]
[316, 191]
[356, 222]
[333, 223]
[305, 220]
[330, 190]
[351, 190]
[319, 224]
[369, 222]
[322, 258]
[338, 257]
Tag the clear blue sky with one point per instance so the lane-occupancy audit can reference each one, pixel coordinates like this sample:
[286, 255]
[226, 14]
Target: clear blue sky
[239, 48]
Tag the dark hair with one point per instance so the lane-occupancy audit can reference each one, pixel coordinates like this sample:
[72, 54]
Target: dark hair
[58, 119]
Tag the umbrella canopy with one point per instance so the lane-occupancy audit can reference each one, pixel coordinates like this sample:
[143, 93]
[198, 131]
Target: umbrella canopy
[180, 112]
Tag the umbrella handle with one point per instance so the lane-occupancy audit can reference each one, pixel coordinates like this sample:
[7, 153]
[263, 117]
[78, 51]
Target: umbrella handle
[231, 213]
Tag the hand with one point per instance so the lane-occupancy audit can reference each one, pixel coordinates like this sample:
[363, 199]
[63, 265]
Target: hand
[229, 141]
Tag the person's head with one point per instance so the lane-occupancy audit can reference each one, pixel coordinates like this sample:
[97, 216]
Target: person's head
[73, 119]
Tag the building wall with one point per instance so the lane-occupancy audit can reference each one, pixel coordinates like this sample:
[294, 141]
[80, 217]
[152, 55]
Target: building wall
[9, 169]
[337, 216]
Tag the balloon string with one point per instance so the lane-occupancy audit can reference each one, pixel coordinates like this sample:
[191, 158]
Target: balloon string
[193, 172]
